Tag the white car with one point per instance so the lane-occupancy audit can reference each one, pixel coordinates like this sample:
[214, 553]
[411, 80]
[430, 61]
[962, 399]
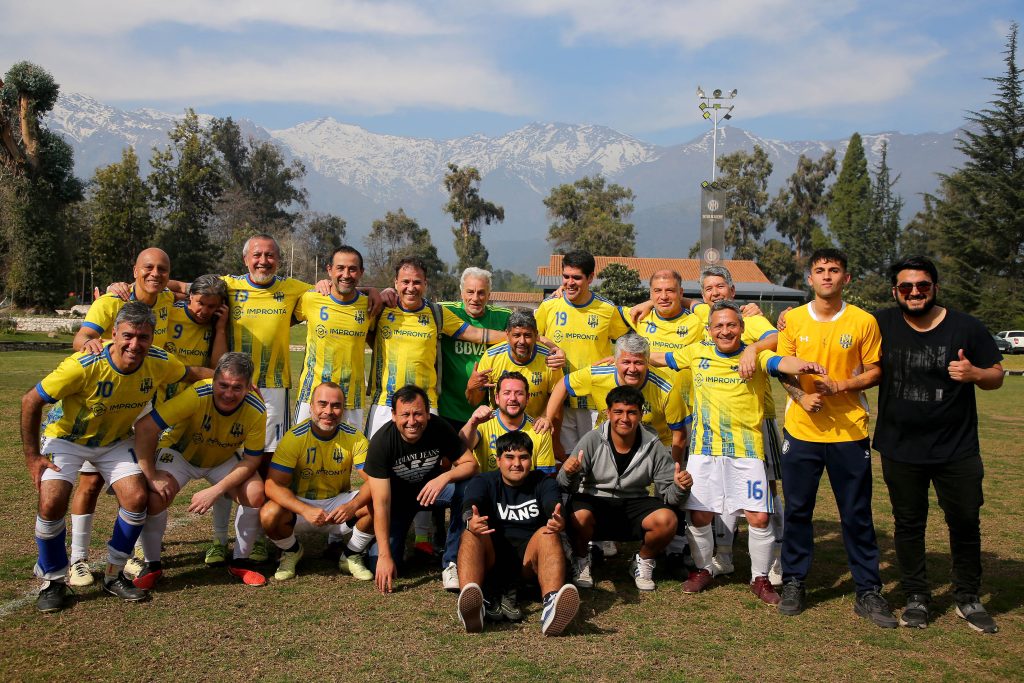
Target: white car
[1016, 339]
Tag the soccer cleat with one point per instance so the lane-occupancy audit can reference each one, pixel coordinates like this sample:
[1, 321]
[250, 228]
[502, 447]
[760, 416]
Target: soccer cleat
[289, 561]
[356, 566]
[794, 599]
[79, 574]
[721, 564]
[147, 578]
[698, 581]
[248, 576]
[450, 578]
[762, 587]
[424, 548]
[471, 608]
[135, 564]
[915, 614]
[122, 587]
[559, 610]
[608, 548]
[53, 597]
[976, 616]
[643, 573]
[260, 551]
[775, 573]
[871, 605]
[509, 606]
[216, 554]
[584, 578]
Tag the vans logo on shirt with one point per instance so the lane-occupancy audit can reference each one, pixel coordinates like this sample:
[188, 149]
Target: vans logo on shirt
[519, 513]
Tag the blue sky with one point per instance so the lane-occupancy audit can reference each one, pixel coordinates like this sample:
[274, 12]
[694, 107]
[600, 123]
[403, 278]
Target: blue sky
[804, 69]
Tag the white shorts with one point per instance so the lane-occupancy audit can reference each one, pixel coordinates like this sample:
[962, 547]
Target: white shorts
[772, 449]
[576, 422]
[170, 460]
[112, 462]
[329, 505]
[378, 416]
[276, 401]
[354, 416]
[89, 468]
[728, 486]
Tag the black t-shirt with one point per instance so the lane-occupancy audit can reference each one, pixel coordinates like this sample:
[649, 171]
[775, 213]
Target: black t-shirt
[411, 465]
[514, 512]
[924, 416]
[622, 460]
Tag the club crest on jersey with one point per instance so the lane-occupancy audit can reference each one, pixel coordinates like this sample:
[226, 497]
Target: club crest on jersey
[846, 341]
[146, 385]
[163, 314]
[535, 378]
[278, 297]
[236, 430]
[321, 331]
[423, 319]
[197, 438]
[682, 330]
[337, 456]
[360, 317]
[593, 321]
[647, 408]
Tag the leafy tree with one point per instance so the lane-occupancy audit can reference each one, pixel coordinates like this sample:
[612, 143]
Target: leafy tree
[776, 262]
[849, 211]
[798, 207]
[508, 281]
[469, 210]
[397, 236]
[744, 177]
[38, 192]
[122, 224]
[621, 284]
[187, 183]
[591, 215]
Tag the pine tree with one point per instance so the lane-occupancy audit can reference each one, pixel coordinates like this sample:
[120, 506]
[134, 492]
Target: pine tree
[469, 210]
[621, 284]
[122, 223]
[849, 210]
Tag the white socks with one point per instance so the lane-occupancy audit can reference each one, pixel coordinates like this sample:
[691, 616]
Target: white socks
[81, 534]
[702, 544]
[153, 535]
[760, 543]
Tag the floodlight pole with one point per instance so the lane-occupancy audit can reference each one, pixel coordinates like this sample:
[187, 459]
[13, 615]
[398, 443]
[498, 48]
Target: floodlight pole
[712, 108]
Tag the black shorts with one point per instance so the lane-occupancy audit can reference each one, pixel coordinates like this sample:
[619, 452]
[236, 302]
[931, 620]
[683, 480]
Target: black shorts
[618, 519]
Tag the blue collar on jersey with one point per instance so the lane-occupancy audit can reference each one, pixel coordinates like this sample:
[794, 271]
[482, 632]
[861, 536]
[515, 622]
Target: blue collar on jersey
[266, 286]
[513, 358]
[497, 414]
[345, 303]
[647, 377]
[730, 355]
[312, 431]
[110, 360]
[668, 320]
[566, 300]
[412, 310]
[230, 412]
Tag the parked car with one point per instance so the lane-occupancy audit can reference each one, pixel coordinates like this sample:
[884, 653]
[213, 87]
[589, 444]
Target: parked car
[1016, 339]
[1003, 344]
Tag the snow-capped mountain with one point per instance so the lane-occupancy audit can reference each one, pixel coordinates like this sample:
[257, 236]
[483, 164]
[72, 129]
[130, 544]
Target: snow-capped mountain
[360, 175]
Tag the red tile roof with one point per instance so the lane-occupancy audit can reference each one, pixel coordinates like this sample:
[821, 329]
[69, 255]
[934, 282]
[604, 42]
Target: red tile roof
[517, 297]
[688, 268]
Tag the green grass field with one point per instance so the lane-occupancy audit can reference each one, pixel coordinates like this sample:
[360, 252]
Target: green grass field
[201, 624]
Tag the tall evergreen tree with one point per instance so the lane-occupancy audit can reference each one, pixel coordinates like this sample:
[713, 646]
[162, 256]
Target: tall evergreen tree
[744, 177]
[122, 223]
[397, 236]
[849, 210]
[469, 210]
[621, 284]
[590, 214]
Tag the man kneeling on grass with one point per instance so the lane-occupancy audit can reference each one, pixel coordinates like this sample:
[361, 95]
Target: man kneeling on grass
[308, 486]
[513, 521]
[612, 470]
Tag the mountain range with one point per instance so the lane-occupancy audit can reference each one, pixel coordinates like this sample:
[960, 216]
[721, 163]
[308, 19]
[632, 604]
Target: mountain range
[360, 175]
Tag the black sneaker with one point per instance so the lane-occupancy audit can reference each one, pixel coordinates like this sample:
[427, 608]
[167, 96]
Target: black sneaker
[122, 587]
[492, 609]
[915, 614]
[677, 567]
[794, 598]
[510, 606]
[871, 605]
[53, 597]
[975, 614]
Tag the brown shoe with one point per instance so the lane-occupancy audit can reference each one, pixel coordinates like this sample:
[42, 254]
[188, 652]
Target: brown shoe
[763, 589]
[698, 581]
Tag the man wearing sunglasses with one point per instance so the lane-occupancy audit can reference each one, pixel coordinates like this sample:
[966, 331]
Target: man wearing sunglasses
[927, 433]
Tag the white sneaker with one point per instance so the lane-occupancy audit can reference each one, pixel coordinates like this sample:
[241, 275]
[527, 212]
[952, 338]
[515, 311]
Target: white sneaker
[643, 573]
[721, 564]
[584, 579]
[775, 573]
[135, 564]
[79, 574]
[450, 578]
[608, 548]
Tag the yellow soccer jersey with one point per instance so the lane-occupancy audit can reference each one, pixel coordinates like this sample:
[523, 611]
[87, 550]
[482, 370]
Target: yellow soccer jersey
[486, 456]
[727, 409]
[666, 335]
[335, 342]
[187, 340]
[541, 378]
[104, 310]
[405, 350]
[843, 346]
[664, 410]
[584, 332]
[206, 437]
[320, 468]
[98, 402]
[260, 318]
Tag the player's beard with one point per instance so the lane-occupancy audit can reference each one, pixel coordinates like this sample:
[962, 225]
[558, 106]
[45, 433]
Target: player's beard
[261, 277]
[929, 304]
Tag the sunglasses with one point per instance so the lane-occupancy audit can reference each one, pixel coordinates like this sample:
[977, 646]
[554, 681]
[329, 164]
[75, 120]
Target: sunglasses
[905, 288]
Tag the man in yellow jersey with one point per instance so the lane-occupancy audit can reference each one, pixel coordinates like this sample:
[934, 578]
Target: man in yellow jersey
[338, 324]
[486, 425]
[726, 447]
[664, 411]
[100, 397]
[522, 353]
[405, 342]
[309, 486]
[827, 429]
[152, 270]
[584, 325]
[197, 327]
[199, 434]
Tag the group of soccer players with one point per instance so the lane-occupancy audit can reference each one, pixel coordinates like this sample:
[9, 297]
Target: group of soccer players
[468, 407]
